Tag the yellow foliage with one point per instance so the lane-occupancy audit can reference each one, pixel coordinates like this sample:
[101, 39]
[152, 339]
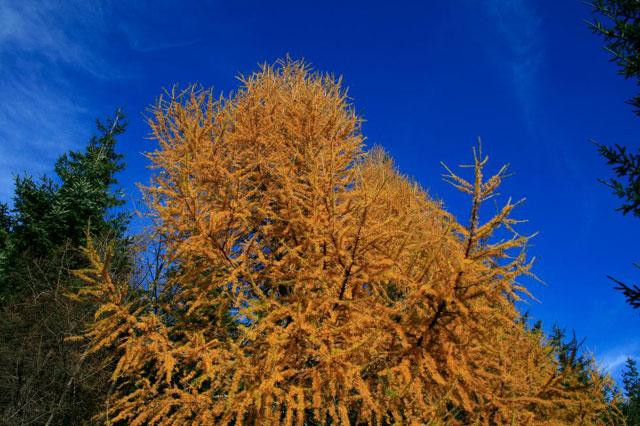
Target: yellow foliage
[349, 294]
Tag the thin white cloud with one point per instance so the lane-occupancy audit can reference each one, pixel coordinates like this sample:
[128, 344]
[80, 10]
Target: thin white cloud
[56, 33]
[612, 360]
[35, 120]
[146, 48]
[160, 25]
[519, 27]
[44, 47]
[47, 47]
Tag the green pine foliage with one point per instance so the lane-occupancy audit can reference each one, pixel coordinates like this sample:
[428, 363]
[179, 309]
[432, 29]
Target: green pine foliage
[85, 198]
[5, 226]
[33, 201]
[626, 184]
[631, 384]
[50, 214]
[44, 379]
[618, 22]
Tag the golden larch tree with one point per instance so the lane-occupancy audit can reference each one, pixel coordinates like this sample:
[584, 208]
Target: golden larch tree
[311, 283]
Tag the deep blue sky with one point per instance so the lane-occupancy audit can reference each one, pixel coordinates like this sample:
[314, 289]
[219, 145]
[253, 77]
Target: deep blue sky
[429, 77]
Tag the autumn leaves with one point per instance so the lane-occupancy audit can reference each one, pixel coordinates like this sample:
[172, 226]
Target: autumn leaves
[312, 282]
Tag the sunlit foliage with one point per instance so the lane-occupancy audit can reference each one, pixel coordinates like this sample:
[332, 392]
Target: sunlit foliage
[313, 283]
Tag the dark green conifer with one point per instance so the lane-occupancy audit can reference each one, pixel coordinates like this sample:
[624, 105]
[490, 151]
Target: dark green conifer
[618, 22]
[48, 215]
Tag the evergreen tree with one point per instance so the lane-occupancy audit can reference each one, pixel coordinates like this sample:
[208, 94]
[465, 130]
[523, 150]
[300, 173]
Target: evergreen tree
[48, 215]
[44, 378]
[33, 201]
[84, 198]
[618, 21]
[631, 383]
[631, 379]
[626, 165]
[568, 353]
[5, 226]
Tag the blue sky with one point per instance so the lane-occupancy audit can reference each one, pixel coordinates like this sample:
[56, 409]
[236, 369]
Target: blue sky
[429, 77]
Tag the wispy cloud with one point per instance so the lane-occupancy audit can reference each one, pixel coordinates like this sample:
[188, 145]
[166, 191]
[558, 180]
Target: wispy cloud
[47, 48]
[146, 48]
[67, 33]
[519, 27]
[161, 25]
[42, 113]
[36, 120]
[612, 360]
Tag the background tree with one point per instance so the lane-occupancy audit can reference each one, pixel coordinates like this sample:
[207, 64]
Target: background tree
[5, 227]
[631, 384]
[43, 378]
[48, 215]
[618, 22]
